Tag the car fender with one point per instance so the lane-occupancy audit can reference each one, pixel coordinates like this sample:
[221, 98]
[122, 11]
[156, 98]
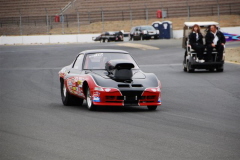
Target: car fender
[75, 84]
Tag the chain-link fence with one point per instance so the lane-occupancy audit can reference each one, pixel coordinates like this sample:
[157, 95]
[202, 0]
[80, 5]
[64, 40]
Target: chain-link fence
[86, 22]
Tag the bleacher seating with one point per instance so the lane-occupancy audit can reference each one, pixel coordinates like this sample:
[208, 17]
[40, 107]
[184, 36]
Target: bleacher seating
[14, 8]
[34, 13]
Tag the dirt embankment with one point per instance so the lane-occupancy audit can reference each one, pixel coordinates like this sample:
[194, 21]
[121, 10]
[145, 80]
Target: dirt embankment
[126, 25]
[233, 54]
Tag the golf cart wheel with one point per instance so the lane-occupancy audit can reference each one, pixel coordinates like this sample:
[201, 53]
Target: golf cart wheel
[184, 69]
[211, 70]
[220, 69]
[189, 69]
[184, 64]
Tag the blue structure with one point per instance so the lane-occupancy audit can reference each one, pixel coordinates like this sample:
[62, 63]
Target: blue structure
[165, 29]
[158, 26]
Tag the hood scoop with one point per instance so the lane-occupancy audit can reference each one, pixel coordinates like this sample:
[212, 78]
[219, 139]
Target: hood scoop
[129, 85]
[120, 69]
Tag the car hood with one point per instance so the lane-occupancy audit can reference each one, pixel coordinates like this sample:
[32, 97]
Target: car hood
[137, 74]
[141, 79]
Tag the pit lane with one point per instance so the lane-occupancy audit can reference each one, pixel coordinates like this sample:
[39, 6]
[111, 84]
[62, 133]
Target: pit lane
[199, 117]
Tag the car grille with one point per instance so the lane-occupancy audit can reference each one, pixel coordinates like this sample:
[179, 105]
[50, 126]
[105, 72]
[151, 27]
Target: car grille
[131, 97]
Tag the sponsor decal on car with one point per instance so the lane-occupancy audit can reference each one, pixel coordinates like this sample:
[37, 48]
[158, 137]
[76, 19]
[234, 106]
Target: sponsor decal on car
[96, 99]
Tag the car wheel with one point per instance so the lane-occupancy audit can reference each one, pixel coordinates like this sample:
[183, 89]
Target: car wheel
[67, 98]
[152, 108]
[103, 40]
[131, 38]
[90, 104]
[108, 40]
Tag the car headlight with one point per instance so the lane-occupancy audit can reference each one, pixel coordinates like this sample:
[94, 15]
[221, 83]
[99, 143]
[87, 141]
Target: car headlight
[98, 89]
[144, 32]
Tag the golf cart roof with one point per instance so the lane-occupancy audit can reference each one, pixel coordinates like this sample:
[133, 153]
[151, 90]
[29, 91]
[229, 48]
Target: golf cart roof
[190, 24]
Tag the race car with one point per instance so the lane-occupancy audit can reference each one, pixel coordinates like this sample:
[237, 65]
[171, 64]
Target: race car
[108, 78]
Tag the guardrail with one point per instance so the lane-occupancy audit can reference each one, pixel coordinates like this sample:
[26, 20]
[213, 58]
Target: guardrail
[80, 38]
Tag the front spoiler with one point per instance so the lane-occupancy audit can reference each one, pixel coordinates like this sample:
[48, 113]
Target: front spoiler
[122, 104]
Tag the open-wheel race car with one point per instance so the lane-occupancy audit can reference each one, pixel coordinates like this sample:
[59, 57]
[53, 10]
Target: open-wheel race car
[108, 78]
[190, 62]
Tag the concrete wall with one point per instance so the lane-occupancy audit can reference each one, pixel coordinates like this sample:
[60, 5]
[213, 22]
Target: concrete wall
[47, 39]
[79, 38]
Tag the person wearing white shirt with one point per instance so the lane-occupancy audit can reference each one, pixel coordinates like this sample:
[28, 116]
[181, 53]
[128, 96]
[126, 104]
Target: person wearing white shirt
[196, 42]
[215, 39]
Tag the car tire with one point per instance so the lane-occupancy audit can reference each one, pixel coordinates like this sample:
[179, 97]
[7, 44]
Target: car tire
[69, 99]
[131, 38]
[103, 40]
[90, 104]
[152, 108]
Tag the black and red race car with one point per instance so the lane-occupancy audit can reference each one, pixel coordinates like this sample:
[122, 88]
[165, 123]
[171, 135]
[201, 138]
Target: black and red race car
[108, 78]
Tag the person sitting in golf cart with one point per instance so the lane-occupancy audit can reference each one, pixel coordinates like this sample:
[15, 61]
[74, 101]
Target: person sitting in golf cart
[196, 42]
[215, 39]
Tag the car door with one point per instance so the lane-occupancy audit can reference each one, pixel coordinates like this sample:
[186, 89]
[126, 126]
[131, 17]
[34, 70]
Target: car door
[137, 32]
[76, 77]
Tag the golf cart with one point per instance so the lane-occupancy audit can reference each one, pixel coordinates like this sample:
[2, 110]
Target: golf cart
[190, 56]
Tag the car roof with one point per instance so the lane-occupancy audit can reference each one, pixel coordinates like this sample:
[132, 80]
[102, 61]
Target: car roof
[207, 23]
[103, 51]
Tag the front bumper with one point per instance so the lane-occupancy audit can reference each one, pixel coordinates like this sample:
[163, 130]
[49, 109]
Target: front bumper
[128, 98]
[150, 35]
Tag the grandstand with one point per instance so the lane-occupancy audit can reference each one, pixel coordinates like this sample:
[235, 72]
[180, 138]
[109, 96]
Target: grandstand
[38, 16]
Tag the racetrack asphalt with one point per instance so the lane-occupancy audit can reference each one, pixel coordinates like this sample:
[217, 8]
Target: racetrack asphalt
[199, 118]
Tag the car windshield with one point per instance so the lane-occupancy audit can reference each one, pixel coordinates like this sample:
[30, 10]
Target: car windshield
[147, 28]
[98, 60]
